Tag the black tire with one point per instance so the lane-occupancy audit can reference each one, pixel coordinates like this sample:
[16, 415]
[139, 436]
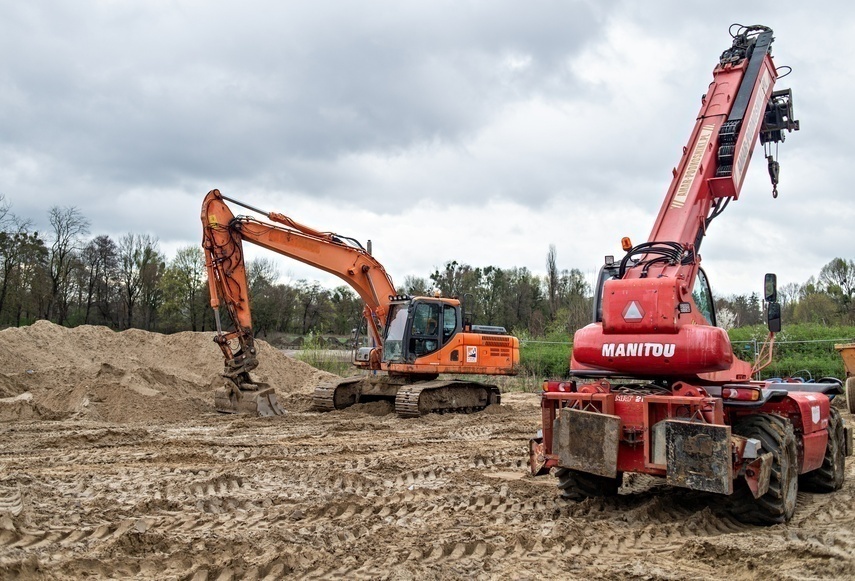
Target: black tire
[829, 476]
[779, 503]
[575, 485]
[850, 394]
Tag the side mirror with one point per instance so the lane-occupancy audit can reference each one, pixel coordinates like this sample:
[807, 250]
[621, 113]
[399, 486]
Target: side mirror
[770, 288]
[773, 311]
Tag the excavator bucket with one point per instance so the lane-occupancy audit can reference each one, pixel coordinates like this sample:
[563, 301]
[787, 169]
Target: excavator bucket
[261, 402]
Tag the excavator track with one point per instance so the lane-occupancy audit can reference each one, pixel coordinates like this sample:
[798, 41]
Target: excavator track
[445, 396]
[411, 400]
[336, 394]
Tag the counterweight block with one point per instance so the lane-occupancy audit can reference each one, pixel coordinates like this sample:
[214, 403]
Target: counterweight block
[698, 456]
[587, 441]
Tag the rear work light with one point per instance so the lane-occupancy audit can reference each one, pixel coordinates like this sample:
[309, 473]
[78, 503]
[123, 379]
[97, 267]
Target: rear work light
[741, 393]
[559, 386]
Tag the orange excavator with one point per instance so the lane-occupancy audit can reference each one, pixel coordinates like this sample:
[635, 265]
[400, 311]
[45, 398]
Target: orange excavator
[414, 339]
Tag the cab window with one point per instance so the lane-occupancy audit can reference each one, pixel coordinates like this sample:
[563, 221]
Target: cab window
[397, 325]
[449, 322]
[703, 298]
[424, 338]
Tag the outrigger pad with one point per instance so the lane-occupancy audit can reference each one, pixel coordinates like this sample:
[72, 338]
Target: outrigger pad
[587, 441]
[699, 456]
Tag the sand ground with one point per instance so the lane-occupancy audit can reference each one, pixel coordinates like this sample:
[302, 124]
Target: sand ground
[114, 465]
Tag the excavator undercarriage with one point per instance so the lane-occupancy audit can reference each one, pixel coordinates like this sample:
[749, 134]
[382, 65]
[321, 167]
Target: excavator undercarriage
[413, 396]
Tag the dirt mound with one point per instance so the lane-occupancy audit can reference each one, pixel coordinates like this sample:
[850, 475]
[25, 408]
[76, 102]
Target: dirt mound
[92, 372]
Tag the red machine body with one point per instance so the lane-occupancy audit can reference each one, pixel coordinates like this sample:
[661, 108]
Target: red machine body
[655, 386]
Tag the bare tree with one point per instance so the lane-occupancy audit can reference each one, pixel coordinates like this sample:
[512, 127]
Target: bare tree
[29, 283]
[100, 259]
[838, 278]
[140, 268]
[5, 208]
[260, 274]
[415, 285]
[14, 240]
[184, 286]
[69, 226]
[552, 281]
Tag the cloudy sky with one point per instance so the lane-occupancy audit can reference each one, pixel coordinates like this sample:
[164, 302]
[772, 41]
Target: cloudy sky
[476, 131]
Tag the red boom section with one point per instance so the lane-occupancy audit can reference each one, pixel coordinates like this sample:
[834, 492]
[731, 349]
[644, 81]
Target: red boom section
[651, 301]
[695, 185]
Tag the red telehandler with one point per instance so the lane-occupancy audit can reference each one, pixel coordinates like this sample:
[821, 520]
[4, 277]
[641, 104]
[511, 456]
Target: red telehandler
[654, 385]
[414, 339]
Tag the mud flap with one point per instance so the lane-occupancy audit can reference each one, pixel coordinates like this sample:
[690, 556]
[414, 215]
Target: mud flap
[849, 390]
[847, 441]
[537, 457]
[261, 403]
[758, 474]
[587, 441]
[698, 456]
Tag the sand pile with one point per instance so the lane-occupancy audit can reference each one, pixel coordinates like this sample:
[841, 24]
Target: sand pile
[90, 372]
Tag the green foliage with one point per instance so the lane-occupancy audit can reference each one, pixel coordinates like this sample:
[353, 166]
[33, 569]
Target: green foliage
[317, 354]
[544, 358]
[131, 284]
[801, 350]
[184, 290]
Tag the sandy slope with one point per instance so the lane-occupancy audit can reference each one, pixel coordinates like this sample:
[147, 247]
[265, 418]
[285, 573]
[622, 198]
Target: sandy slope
[112, 464]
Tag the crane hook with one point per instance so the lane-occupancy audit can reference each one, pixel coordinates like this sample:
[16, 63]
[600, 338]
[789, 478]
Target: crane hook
[774, 172]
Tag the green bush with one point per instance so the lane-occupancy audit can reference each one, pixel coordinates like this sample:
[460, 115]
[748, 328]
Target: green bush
[801, 350]
[318, 355]
[547, 357]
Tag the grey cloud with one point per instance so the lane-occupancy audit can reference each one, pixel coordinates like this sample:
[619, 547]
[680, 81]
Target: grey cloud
[132, 111]
[157, 93]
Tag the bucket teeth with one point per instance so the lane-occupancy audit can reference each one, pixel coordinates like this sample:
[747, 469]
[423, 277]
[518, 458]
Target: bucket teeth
[261, 403]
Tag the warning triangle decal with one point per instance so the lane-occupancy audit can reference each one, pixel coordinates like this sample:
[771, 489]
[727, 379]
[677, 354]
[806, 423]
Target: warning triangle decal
[633, 312]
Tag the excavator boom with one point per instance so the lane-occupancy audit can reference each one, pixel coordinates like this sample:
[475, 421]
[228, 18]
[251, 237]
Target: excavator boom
[335, 254]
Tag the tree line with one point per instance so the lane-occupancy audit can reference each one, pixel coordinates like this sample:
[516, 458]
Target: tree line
[825, 299]
[70, 278]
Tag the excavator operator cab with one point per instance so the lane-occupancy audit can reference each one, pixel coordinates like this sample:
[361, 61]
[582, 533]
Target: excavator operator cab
[418, 326]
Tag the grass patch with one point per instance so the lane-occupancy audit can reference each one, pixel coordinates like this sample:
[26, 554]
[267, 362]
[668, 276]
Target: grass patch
[316, 353]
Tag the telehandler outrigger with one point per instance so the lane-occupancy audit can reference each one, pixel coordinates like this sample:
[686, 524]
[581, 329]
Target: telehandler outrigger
[654, 386]
[414, 338]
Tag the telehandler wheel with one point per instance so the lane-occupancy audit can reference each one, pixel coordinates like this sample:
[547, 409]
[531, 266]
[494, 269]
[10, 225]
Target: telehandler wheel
[779, 503]
[850, 394]
[575, 485]
[829, 476]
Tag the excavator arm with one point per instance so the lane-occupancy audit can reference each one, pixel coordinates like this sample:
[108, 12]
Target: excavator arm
[223, 235]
